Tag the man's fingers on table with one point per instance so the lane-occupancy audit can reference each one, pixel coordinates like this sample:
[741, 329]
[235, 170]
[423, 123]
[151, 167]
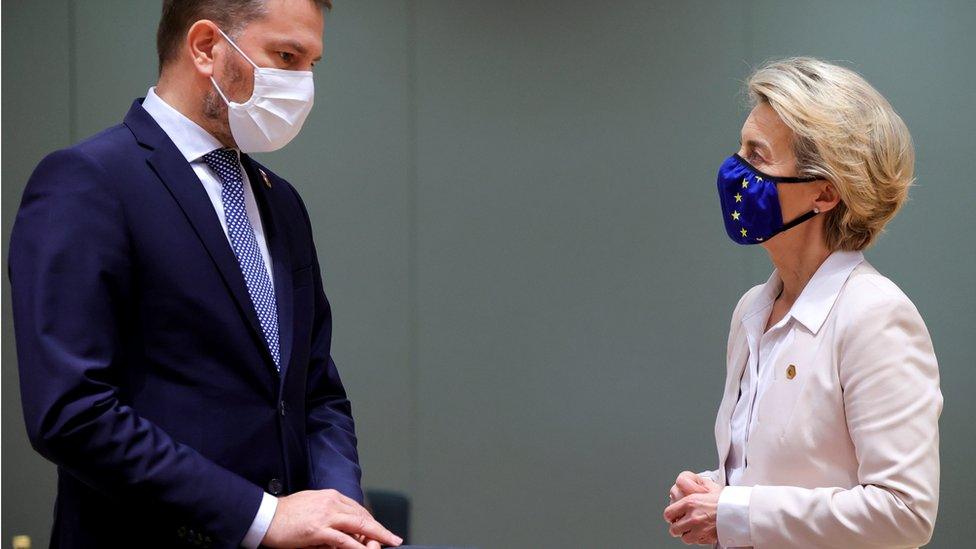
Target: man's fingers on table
[366, 525]
[340, 540]
[370, 544]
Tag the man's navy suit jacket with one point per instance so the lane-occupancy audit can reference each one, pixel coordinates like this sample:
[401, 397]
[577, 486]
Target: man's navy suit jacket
[144, 372]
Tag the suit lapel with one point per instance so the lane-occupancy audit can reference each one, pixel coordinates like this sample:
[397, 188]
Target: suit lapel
[184, 185]
[266, 195]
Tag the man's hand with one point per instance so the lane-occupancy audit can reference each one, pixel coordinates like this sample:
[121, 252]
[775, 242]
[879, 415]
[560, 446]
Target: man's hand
[692, 516]
[316, 518]
[370, 544]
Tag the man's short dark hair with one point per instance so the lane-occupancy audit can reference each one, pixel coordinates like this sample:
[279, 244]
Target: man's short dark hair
[230, 15]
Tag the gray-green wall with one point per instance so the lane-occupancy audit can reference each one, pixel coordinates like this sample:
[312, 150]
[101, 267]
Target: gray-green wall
[514, 207]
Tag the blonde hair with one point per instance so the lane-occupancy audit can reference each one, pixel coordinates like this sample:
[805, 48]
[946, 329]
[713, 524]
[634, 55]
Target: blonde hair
[844, 132]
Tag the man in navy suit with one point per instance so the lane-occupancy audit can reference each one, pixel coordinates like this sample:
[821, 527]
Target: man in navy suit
[172, 331]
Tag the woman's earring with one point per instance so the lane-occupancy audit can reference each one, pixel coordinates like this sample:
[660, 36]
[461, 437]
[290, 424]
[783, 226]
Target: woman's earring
[816, 210]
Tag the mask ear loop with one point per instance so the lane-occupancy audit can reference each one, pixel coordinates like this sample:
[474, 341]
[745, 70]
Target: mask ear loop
[220, 93]
[240, 51]
[805, 217]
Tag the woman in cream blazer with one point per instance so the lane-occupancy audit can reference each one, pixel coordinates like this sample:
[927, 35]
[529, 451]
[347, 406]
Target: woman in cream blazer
[827, 433]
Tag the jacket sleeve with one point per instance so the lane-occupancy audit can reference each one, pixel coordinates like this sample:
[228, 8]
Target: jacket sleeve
[69, 269]
[331, 431]
[892, 400]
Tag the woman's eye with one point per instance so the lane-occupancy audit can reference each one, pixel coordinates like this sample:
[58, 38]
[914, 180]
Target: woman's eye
[286, 57]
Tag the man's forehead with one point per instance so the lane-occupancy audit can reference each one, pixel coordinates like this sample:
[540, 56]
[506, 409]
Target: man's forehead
[293, 34]
[294, 13]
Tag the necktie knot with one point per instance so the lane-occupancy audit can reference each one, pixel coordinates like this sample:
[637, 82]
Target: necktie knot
[225, 164]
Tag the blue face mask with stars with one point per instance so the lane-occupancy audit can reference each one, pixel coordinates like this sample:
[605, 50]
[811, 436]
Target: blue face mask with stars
[750, 202]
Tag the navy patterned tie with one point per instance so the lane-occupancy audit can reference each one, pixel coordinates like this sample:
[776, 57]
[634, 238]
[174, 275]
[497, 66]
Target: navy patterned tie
[225, 164]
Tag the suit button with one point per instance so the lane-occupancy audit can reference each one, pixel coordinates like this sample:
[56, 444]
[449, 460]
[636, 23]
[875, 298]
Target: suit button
[281, 407]
[274, 487]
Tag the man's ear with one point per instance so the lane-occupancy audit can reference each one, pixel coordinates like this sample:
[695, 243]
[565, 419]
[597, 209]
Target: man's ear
[827, 197]
[201, 41]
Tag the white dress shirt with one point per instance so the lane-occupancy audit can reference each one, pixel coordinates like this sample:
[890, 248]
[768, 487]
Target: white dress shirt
[193, 143]
[732, 520]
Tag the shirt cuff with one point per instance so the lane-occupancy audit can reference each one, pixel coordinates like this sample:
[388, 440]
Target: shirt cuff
[262, 521]
[732, 521]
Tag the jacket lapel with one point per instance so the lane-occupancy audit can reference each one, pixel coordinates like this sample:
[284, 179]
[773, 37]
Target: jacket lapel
[737, 359]
[267, 196]
[178, 176]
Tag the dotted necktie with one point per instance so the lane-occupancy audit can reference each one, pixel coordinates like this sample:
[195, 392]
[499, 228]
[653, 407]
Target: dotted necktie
[225, 164]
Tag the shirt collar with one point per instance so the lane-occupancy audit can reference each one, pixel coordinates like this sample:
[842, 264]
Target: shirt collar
[818, 296]
[190, 139]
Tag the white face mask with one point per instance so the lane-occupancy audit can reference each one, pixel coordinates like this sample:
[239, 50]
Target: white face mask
[274, 114]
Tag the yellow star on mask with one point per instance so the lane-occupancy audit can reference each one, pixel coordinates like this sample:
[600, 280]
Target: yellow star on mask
[735, 216]
[745, 183]
[738, 197]
[744, 233]
[758, 179]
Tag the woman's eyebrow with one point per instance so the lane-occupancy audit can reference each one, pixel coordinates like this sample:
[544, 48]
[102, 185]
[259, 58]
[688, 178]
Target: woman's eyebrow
[759, 145]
